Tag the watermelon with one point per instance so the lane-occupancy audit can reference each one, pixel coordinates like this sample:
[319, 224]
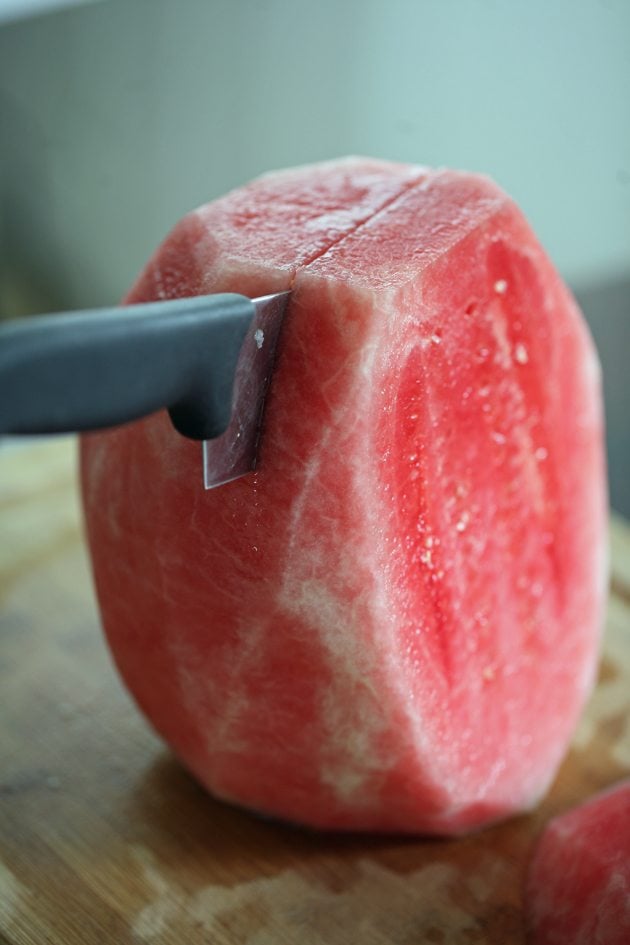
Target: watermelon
[392, 624]
[578, 886]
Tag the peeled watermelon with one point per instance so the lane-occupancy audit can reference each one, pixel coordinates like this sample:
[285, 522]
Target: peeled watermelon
[393, 624]
[579, 879]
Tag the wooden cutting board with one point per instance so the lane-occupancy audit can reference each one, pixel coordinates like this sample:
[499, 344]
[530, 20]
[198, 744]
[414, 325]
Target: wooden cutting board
[104, 838]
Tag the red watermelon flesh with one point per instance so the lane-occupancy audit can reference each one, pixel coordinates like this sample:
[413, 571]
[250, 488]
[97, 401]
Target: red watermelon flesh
[393, 624]
[579, 880]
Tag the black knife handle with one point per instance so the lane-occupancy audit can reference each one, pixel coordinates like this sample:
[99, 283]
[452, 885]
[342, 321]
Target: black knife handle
[89, 370]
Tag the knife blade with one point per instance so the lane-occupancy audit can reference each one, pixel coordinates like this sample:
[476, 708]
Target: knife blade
[208, 360]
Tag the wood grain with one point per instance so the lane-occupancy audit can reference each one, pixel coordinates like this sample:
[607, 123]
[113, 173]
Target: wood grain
[104, 838]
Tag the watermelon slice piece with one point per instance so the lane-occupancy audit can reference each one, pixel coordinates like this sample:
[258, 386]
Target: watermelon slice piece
[578, 887]
[394, 623]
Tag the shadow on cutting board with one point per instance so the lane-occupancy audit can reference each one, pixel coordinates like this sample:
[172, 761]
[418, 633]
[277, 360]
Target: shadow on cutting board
[211, 867]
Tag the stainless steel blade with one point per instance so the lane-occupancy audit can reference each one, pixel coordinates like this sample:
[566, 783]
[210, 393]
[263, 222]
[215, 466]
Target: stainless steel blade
[235, 452]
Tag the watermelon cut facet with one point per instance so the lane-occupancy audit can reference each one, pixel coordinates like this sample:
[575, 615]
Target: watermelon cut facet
[393, 624]
[578, 890]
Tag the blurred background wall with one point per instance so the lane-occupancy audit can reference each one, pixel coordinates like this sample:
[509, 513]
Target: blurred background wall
[118, 116]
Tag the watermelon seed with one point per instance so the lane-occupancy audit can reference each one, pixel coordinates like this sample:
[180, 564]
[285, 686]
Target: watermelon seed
[500, 286]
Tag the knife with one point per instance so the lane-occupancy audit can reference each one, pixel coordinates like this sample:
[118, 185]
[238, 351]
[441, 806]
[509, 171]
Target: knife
[208, 360]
